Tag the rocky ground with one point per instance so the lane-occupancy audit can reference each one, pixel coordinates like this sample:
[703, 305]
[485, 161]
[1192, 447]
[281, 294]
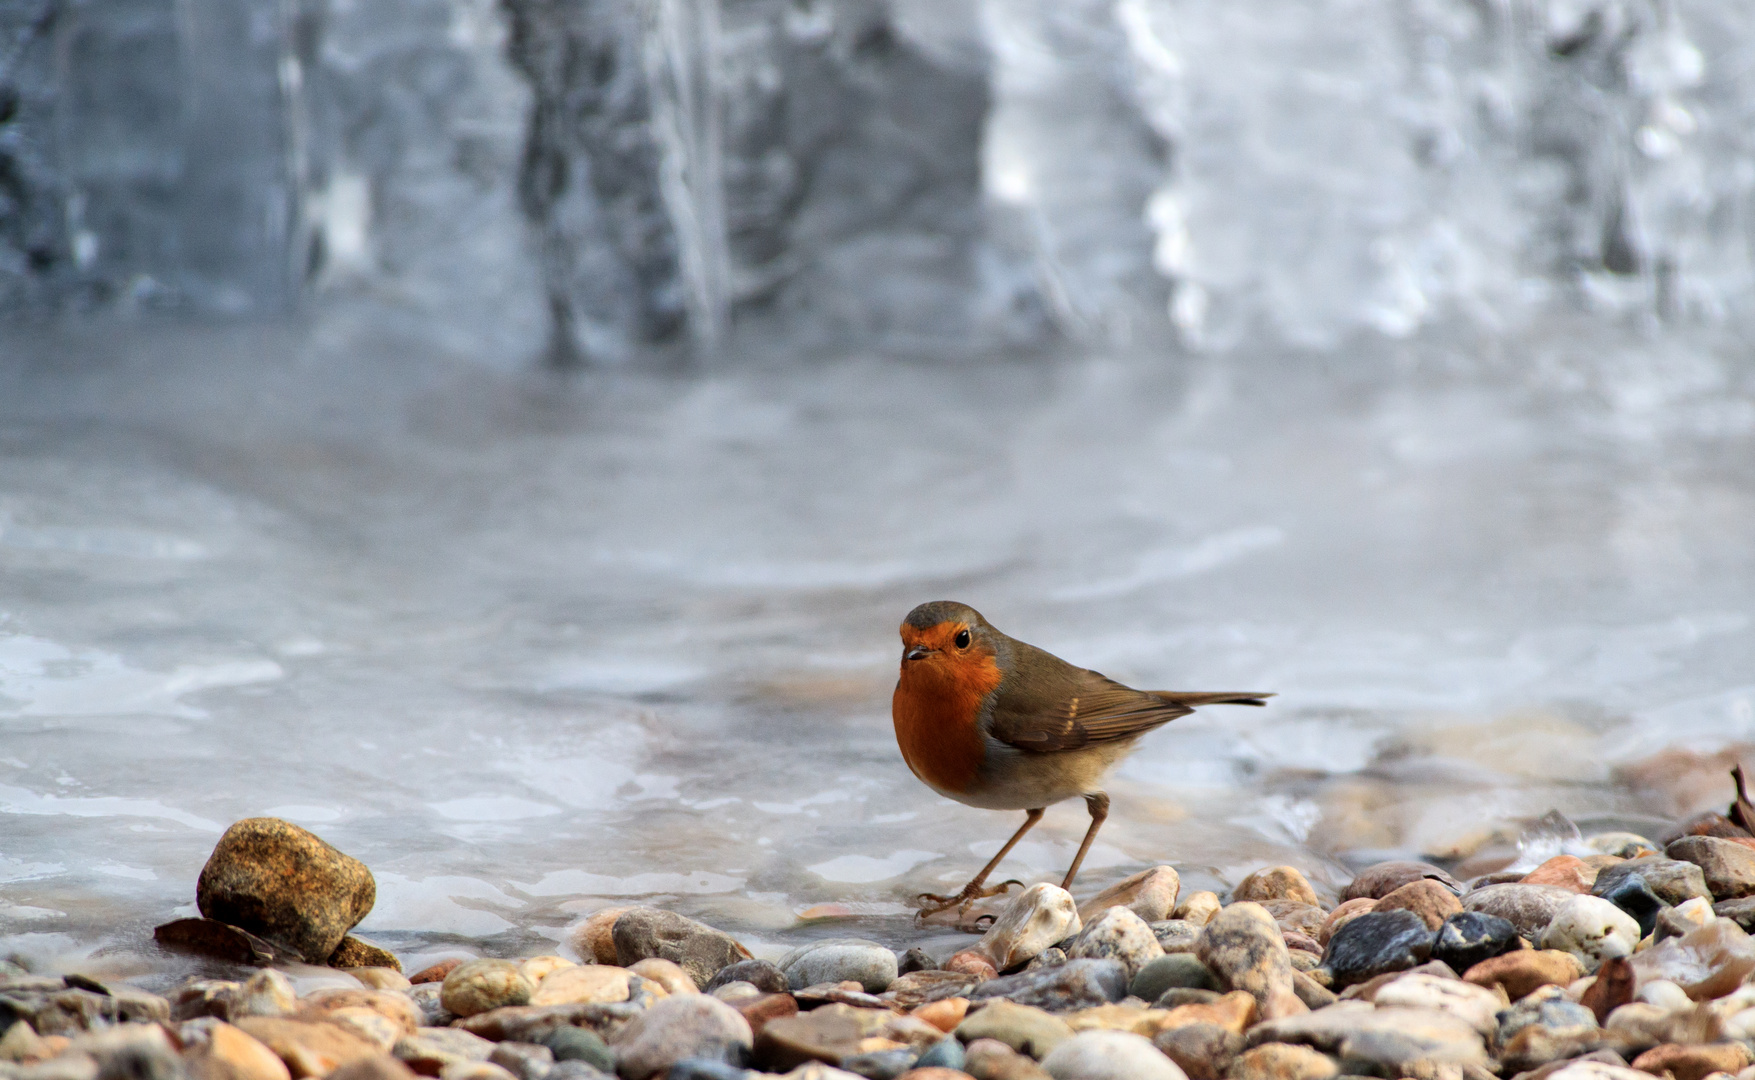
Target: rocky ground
[1627, 962]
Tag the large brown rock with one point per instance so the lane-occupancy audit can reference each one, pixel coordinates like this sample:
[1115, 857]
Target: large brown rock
[698, 949]
[1729, 867]
[284, 884]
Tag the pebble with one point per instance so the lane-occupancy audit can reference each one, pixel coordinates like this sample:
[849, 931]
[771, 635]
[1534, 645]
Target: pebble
[705, 1069]
[380, 978]
[1683, 918]
[1567, 872]
[475, 1070]
[1520, 973]
[671, 977]
[1729, 867]
[1275, 883]
[1612, 988]
[945, 1014]
[432, 1011]
[580, 985]
[1693, 1062]
[481, 985]
[308, 1049]
[762, 974]
[944, 1054]
[1025, 1029]
[280, 882]
[230, 1054]
[693, 1026]
[1547, 1007]
[1584, 1069]
[1632, 895]
[538, 968]
[1198, 907]
[392, 1006]
[1379, 1038]
[698, 949]
[1375, 943]
[1203, 1051]
[435, 973]
[1428, 899]
[377, 1067]
[430, 1049]
[1040, 916]
[594, 938]
[1109, 1055]
[1530, 908]
[526, 1061]
[1150, 894]
[1380, 879]
[1344, 913]
[1283, 1061]
[1469, 937]
[879, 1064]
[834, 1032]
[871, 965]
[353, 953]
[1168, 972]
[919, 987]
[1313, 994]
[1672, 880]
[1117, 933]
[1234, 1012]
[1073, 985]
[989, 1059]
[266, 993]
[1477, 1005]
[1707, 962]
[373, 1027]
[768, 1007]
[1243, 949]
[1177, 935]
[1053, 956]
[1295, 916]
[569, 1043]
[1593, 930]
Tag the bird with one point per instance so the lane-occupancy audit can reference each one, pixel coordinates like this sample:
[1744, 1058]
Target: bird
[996, 723]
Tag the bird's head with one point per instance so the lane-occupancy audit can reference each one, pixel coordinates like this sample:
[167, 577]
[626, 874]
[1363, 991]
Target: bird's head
[946, 633]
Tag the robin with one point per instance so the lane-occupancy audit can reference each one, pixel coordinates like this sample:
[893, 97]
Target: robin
[989, 721]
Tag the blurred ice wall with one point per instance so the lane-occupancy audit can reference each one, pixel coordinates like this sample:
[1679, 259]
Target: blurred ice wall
[602, 178]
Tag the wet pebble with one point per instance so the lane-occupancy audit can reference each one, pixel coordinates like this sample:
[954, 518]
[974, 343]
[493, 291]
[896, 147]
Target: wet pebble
[1522, 972]
[1593, 930]
[1469, 937]
[1693, 1062]
[1275, 883]
[1530, 908]
[1109, 1055]
[230, 1054]
[871, 965]
[569, 1043]
[1728, 867]
[764, 975]
[526, 1061]
[1376, 943]
[1632, 895]
[1073, 985]
[283, 883]
[1169, 972]
[1671, 880]
[1567, 872]
[1243, 949]
[1283, 1061]
[700, 950]
[1707, 962]
[1380, 879]
[1428, 899]
[1040, 916]
[1203, 1051]
[1150, 894]
[1177, 935]
[1117, 933]
[1024, 1028]
[1197, 907]
[481, 985]
[989, 1059]
[694, 1026]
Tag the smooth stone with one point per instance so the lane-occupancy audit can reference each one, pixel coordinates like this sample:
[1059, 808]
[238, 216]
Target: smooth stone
[764, 975]
[475, 1070]
[1283, 1061]
[1520, 973]
[1166, 972]
[915, 959]
[1052, 956]
[1632, 895]
[1683, 918]
[309, 1049]
[1040, 916]
[127, 1052]
[1117, 933]
[230, 1054]
[1469, 937]
[1380, 879]
[1671, 880]
[1376, 943]
[1234, 1011]
[1203, 1051]
[204, 997]
[973, 964]
[1346, 912]
[1243, 949]
[1547, 1007]
[1178, 996]
[1592, 929]
[669, 976]
[1612, 988]
[380, 978]
[1693, 1062]
[594, 939]
[526, 1061]
[1563, 871]
[435, 973]
[1198, 907]
[989, 1059]
[871, 965]
[768, 1007]
[1708, 962]
[1618, 843]
[947, 1053]
[481, 985]
[880, 1064]
[698, 949]
[1740, 911]
[1426, 898]
[1073, 985]
[571, 1043]
[1024, 1028]
[834, 1032]
[392, 1006]
[378, 1067]
[431, 1049]
[284, 884]
[1150, 894]
[375, 1028]
[1477, 1005]
[538, 968]
[1313, 994]
[1275, 883]
[266, 993]
[1178, 935]
[1295, 916]
[1109, 1055]
[1382, 1038]
[1585, 1069]
[692, 1026]
[945, 1014]
[1530, 908]
[1729, 867]
[580, 985]
[355, 953]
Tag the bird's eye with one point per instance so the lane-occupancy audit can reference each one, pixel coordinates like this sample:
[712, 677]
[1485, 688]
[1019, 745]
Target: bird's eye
[962, 639]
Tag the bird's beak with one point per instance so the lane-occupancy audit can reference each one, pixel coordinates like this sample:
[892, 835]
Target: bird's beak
[918, 652]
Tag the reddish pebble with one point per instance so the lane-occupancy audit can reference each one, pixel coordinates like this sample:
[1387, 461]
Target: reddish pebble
[764, 1009]
[1340, 916]
[944, 1014]
[1565, 871]
[1295, 940]
[970, 962]
[437, 972]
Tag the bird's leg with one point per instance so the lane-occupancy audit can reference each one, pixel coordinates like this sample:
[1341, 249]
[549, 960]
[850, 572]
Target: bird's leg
[1099, 806]
[932, 903]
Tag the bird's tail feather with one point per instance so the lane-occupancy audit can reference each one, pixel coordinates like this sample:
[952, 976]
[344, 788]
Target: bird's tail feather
[1192, 698]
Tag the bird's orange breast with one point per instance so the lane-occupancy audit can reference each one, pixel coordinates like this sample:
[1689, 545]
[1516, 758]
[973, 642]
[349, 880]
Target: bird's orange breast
[936, 709]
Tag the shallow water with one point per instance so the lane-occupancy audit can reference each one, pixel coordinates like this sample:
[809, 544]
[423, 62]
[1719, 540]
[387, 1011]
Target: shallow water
[533, 646]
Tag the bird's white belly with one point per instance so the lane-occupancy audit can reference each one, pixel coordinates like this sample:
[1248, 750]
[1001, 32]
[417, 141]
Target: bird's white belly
[1013, 779]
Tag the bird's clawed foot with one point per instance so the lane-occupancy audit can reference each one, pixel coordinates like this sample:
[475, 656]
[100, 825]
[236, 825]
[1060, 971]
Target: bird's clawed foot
[933, 903]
